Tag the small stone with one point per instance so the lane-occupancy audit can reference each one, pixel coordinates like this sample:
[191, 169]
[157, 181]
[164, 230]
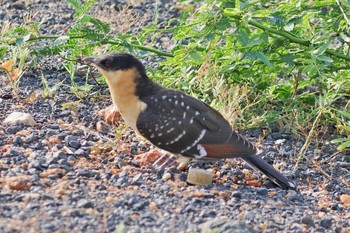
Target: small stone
[326, 223]
[199, 176]
[34, 164]
[35, 177]
[86, 173]
[237, 194]
[30, 138]
[102, 127]
[262, 191]
[73, 142]
[19, 6]
[208, 214]
[279, 142]
[293, 196]
[59, 155]
[20, 117]
[17, 141]
[319, 229]
[249, 215]
[81, 152]
[182, 166]
[50, 133]
[13, 129]
[307, 220]
[53, 126]
[13, 152]
[83, 203]
[166, 176]
[137, 180]
[122, 181]
[71, 160]
[345, 198]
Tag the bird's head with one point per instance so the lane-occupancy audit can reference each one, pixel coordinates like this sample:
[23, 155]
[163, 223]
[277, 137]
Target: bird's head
[118, 67]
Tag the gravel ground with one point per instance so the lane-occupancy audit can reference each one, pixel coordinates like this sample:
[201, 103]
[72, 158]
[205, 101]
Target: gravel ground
[72, 172]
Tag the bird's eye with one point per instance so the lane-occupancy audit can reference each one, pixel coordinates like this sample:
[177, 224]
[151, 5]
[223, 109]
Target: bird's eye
[107, 63]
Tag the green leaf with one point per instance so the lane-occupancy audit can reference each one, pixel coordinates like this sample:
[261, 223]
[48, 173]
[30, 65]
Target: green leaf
[347, 114]
[75, 4]
[343, 146]
[324, 58]
[323, 48]
[260, 56]
[264, 59]
[288, 59]
[242, 37]
[104, 27]
[339, 140]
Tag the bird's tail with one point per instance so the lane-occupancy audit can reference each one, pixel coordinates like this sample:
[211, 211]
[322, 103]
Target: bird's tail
[269, 171]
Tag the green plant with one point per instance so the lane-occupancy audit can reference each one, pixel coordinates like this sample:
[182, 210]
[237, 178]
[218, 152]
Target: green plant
[16, 67]
[79, 91]
[49, 92]
[291, 57]
[274, 64]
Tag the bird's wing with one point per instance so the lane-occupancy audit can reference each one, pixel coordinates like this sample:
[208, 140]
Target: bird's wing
[181, 124]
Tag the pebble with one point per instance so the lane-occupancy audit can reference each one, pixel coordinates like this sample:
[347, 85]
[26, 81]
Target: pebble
[326, 223]
[73, 141]
[83, 203]
[307, 220]
[166, 176]
[14, 152]
[19, 117]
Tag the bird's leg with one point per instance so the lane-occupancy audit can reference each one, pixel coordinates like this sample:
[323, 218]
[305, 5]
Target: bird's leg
[162, 159]
[168, 162]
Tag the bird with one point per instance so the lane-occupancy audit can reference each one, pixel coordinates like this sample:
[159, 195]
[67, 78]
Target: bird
[175, 121]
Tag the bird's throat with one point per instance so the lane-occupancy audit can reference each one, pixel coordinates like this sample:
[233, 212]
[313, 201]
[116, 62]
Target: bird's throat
[122, 86]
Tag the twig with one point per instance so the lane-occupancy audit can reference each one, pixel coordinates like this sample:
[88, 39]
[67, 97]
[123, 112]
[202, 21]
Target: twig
[141, 47]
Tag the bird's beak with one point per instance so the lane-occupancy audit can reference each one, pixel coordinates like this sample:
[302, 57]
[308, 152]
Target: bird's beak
[90, 60]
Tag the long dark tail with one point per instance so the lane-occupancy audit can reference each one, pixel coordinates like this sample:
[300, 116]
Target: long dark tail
[269, 171]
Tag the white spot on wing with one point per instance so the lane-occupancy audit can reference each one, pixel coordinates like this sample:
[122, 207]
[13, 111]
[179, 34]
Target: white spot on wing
[164, 97]
[184, 115]
[201, 135]
[202, 152]
[169, 130]
[178, 137]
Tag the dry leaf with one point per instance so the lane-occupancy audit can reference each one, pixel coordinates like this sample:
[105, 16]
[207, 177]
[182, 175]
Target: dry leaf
[14, 74]
[7, 65]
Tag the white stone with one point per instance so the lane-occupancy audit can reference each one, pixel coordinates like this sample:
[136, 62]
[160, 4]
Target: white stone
[20, 117]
